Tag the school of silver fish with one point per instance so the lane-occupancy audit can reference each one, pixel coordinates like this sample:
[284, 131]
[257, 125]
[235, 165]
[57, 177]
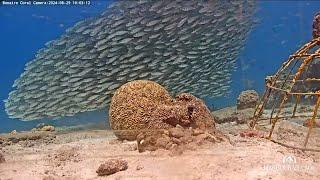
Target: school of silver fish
[186, 46]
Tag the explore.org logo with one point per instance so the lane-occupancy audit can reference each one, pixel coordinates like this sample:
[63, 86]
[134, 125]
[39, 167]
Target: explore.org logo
[289, 163]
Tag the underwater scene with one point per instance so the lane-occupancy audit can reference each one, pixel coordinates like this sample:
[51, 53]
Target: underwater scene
[159, 89]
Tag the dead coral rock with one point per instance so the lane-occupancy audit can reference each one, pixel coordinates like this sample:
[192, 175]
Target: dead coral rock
[2, 159]
[186, 139]
[188, 118]
[195, 112]
[43, 127]
[27, 138]
[47, 128]
[14, 132]
[139, 167]
[132, 106]
[313, 72]
[162, 141]
[144, 111]
[231, 114]
[235, 117]
[316, 26]
[247, 99]
[185, 111]
[176, 132]
[227, 119]
[112, 166]
[197, 132]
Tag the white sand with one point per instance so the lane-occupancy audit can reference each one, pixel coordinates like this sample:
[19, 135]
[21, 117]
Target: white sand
[77, 155]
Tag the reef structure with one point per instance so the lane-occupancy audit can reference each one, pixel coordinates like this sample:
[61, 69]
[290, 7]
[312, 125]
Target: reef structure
[144, 111]
[143, 105]
[187, 46]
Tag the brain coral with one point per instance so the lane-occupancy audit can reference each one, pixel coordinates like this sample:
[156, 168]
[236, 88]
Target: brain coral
[132, 105]
[145, 105]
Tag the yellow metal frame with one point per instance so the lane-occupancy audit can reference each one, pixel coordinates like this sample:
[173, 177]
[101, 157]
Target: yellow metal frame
[305, 56]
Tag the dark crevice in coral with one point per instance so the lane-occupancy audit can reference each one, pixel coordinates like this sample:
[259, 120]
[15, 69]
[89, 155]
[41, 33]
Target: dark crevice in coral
[172, 121]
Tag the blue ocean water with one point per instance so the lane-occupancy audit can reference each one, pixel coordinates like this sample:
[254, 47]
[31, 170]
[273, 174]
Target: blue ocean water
[281, 28]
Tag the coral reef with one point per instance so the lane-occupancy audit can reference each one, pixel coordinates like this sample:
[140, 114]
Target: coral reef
[144, 111]
[146, 106]
[112, 166]
[247, 99]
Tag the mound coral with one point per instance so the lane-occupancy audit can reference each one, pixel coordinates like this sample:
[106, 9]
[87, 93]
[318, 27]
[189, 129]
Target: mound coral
[132, 106]
[146, 107]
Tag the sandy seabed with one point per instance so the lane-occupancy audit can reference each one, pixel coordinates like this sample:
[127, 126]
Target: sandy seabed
[77, 155]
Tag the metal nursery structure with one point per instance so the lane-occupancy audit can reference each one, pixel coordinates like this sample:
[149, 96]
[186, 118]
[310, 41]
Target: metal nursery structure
[296, 82]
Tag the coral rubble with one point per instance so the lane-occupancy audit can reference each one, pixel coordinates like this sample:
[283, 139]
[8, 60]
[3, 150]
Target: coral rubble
[27, 138]
[112, 166]
[178, 139]
[232, 114]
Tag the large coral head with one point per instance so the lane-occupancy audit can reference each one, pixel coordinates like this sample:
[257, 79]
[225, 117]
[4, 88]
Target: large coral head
[132, 105]
[146, 107]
